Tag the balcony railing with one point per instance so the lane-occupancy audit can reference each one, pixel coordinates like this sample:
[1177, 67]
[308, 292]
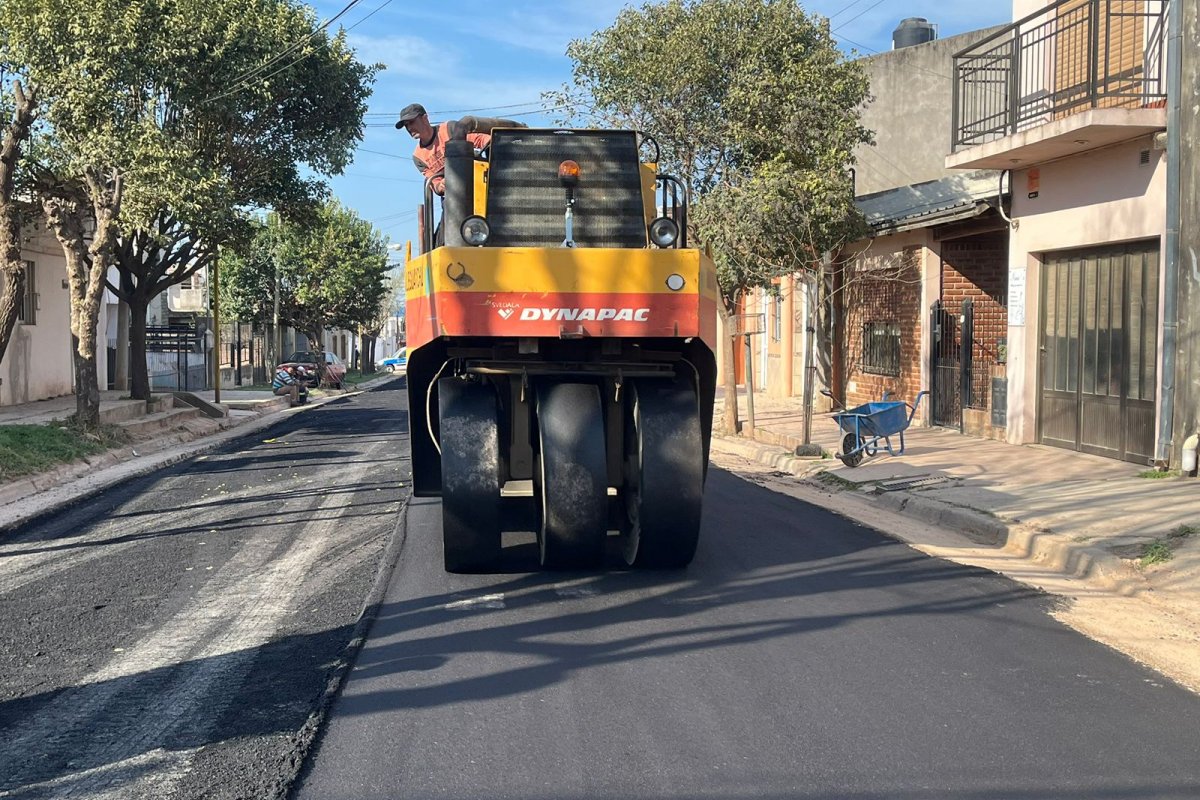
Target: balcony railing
[1071, 56]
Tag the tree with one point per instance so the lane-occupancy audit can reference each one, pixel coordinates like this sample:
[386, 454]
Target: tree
[755, 109]
[390, 302]
[246, 142]
[23, 114]
[146, 108]
[330, 273]
[90, 65]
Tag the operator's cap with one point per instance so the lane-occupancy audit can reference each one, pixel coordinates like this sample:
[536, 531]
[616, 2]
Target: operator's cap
[410, 112]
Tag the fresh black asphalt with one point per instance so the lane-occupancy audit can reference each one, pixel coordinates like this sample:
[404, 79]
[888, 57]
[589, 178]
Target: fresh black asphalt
[800, 656]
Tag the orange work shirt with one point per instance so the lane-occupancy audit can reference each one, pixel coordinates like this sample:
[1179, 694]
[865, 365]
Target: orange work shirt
[431, 158]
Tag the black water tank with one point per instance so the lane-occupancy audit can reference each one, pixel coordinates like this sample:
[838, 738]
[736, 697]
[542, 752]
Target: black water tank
[914, 30]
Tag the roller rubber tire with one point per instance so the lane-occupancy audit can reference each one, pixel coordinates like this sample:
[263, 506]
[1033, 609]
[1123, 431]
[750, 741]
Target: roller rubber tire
[470, 474]
[571, 481]
[664, 475]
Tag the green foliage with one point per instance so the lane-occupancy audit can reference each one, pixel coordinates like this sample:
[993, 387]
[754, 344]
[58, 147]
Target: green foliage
[331, 272]
[773, 223]
[1156, 552]
[755, 109]
[1158, 474]
[1162, 550]
[156, 90]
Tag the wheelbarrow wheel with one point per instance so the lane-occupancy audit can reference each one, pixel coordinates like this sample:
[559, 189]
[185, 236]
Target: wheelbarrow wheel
[852, 454]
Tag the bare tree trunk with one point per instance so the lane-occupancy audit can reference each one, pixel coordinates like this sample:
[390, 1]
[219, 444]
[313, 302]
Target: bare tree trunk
[139, 371]
[87, 267]
[10, 302]
[87, 388]
[364, 354]
[10, 216]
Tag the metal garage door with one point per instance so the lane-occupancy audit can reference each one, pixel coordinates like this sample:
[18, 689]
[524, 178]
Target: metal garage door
[1099, 353]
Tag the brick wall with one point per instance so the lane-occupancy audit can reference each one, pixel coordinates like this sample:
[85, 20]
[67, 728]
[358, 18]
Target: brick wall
[884, 289]
[976, 268]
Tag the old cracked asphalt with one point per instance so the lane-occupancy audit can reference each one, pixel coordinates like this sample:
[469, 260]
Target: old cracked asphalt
[172, 636]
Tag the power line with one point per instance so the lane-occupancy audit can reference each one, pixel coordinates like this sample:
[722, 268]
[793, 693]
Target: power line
[844, 9]
[380, 153]
[244, 80]
[859, 14]
[377, 177]
[458, 110]
[378, 8]
[518, 114]
[399, 215]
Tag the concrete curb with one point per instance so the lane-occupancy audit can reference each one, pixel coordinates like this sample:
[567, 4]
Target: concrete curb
[1050, 551]
[73, 483]
[978, 526]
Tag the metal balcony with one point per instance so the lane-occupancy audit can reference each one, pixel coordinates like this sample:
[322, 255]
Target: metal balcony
[1070, 57]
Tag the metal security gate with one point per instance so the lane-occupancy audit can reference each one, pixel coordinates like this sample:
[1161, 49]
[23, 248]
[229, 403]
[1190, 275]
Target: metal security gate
[175, 359]
[1099, 350]
[950, 363]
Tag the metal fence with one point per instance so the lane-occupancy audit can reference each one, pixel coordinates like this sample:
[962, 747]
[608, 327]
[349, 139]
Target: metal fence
[176, 358]
[244, 354]
[1070, 56]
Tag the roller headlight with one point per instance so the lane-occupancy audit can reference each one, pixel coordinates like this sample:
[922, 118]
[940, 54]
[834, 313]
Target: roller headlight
[664, 232]
[475, 231]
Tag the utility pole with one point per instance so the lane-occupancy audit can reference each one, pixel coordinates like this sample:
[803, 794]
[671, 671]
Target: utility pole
[276, 334]
[1180, 407]
[216, 322]
[121, 374]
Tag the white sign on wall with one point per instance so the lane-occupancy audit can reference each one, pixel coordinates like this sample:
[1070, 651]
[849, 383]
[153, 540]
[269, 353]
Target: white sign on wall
[1016, 297]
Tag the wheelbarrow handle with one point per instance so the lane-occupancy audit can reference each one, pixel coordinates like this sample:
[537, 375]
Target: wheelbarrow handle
[912, 409]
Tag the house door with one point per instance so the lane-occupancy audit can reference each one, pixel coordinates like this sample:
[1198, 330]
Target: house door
[1099, 350]
[950, 363]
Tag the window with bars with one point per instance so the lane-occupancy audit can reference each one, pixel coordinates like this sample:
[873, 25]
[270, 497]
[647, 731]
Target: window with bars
[777, 319]
[27, 312]
[881, 348]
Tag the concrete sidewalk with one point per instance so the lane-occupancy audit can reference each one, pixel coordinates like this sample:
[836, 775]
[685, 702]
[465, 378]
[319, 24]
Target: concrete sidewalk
[1076, 514]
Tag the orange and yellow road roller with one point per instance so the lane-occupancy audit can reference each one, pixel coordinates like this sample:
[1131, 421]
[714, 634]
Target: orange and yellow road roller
[561, 363]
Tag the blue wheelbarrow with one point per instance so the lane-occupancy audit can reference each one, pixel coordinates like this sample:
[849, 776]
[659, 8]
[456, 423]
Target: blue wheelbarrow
[867, 425]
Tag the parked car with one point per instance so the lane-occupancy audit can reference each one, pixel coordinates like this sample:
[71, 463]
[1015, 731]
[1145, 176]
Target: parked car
[335, 368]
[396, 363]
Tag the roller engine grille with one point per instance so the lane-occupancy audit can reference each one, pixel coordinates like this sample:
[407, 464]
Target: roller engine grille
[526, 202]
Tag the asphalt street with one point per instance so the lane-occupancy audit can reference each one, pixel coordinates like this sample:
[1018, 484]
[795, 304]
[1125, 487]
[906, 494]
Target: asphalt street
[172, 637]
[800, 656]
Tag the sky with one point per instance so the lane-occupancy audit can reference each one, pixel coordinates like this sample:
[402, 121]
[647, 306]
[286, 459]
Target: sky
[497, 58]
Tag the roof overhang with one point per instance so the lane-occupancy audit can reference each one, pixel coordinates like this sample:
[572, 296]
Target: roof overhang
[1071, 135]
[925, 205]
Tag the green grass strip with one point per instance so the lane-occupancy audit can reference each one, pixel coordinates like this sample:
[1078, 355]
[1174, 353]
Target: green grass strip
[29, 449]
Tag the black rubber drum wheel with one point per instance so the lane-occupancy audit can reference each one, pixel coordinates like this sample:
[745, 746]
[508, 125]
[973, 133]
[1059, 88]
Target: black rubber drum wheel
[470, 474]
[664, 474]
[571, 482]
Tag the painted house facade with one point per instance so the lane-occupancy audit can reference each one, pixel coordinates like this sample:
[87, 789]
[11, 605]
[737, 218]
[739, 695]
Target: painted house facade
[1070, 101]
[38, 363]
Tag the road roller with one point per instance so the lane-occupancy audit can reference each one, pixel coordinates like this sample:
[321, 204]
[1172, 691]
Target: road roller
[561, 365]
